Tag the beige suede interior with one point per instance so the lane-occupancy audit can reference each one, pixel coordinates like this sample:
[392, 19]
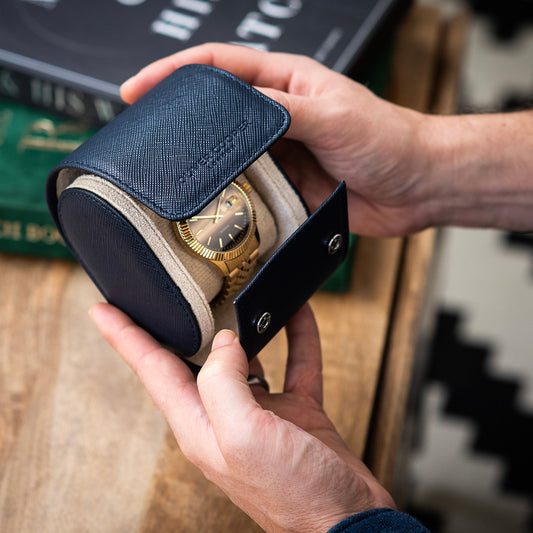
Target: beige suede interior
[279, 213]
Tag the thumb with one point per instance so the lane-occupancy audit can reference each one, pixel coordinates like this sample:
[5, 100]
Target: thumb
[305, 111]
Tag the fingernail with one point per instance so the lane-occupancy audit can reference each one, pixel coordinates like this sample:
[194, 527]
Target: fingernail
[223, 338]
[129, 80]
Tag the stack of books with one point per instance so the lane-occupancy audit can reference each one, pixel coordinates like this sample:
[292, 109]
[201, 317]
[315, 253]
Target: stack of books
[62, 63]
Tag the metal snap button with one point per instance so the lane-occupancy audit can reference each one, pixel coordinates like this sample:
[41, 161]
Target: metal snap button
[263, 323]
[335, 244]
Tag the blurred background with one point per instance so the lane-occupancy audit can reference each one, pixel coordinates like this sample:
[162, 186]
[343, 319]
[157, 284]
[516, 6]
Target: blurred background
[472, 466]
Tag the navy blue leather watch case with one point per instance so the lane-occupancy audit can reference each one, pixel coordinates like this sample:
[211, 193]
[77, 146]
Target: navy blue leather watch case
[115, 198]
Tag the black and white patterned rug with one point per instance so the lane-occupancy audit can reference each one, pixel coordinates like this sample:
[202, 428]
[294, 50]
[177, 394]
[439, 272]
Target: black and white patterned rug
[472, 468]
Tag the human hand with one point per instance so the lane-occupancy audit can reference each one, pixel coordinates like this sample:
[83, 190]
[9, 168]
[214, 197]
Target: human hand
[339, 131]
[277, 456]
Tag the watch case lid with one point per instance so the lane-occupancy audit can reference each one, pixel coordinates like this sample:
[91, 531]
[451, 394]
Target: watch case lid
[182, 143]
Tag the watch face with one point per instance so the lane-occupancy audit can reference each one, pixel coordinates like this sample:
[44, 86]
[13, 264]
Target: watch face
[225, 222]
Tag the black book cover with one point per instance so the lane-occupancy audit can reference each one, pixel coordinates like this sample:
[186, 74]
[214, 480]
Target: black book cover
[71, 56]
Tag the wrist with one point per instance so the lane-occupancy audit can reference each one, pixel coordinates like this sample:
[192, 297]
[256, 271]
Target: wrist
[478, 171]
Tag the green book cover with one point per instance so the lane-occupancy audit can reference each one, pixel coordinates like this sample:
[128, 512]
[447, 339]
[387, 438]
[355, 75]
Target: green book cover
[31, 144]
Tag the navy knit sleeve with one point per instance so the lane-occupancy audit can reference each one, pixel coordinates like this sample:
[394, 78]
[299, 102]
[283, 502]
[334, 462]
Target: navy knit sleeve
[379, 521]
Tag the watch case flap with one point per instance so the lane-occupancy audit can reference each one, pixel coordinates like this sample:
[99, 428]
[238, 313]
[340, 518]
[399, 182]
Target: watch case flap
[291, 276]
[182, 143]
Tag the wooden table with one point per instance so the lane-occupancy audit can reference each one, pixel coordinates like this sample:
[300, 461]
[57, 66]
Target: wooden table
[82, 447]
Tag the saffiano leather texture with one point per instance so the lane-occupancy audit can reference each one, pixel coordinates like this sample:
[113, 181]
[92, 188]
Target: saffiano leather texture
[183, 142]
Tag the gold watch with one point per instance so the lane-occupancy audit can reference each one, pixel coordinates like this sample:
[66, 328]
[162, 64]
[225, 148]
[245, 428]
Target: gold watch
[224, 234]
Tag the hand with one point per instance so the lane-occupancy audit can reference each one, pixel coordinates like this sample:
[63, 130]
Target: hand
[339, 131]
[404, 170]
[277, 456]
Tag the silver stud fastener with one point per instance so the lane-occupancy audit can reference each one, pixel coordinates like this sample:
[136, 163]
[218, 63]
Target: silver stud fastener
[335, 243]
[264, 322]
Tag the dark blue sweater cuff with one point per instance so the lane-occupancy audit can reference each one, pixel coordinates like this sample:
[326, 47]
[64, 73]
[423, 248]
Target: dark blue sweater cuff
[379, 521]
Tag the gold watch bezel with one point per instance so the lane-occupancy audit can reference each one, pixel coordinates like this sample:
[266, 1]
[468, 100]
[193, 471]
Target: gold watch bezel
[184, 232]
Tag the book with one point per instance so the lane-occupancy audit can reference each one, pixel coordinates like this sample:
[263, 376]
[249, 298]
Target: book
[71, 57]
[31, 143]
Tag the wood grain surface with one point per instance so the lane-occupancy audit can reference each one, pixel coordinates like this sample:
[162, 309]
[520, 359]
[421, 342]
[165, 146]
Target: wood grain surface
[82, 447]
[430, 52]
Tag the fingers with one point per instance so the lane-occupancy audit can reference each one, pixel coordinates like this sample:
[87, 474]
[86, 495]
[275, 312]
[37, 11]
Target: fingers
[307, 115]
[264, 69]
[304, 365]
[223, 387]
[286, 78]
[167, 379]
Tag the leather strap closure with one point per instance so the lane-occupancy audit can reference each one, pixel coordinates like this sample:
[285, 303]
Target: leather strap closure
[291, 276]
